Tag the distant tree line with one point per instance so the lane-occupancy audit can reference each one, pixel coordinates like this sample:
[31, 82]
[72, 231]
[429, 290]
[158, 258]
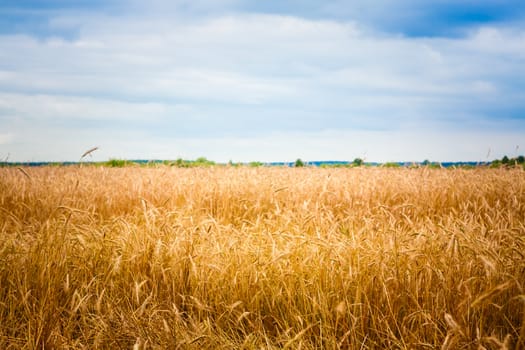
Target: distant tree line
[204, 162]
[506, 161]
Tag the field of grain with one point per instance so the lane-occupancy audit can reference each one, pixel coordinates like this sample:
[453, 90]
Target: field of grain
[261, 258]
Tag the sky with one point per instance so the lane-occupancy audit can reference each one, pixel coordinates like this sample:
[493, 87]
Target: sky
[273, 80]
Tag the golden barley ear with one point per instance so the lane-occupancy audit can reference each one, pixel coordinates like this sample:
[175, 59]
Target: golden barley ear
[24, 172]
[89, 151]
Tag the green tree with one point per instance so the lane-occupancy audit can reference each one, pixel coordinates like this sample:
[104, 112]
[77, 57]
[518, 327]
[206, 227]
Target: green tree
[299, 163]
[505, 160]
[116, 163]
[495, 163]
[357, 162]
[203, 161]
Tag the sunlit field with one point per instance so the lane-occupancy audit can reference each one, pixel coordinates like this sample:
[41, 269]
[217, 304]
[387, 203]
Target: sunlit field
[262, 258]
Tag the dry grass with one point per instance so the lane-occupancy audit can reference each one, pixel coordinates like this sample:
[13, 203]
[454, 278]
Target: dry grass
[230, 258]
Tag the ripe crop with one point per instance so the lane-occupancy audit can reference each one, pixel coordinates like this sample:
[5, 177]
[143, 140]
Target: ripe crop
[227, 258]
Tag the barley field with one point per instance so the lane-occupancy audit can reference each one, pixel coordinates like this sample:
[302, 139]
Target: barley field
[261, 258]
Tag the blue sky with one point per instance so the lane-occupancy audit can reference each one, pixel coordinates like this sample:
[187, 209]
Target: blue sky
[396, 80]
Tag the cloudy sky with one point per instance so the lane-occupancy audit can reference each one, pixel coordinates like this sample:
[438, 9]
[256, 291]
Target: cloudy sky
[273, 80]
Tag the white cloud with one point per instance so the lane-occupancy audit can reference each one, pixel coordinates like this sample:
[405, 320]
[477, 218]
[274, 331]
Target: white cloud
[492, 40]
[379, 146]
[6, 138]
[236, 73]
[53, 107]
